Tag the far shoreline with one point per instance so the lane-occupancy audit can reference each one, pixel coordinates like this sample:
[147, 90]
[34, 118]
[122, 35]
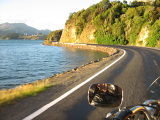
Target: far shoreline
[108, 50]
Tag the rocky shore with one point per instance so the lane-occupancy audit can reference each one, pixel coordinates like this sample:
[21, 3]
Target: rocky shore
[108, 50]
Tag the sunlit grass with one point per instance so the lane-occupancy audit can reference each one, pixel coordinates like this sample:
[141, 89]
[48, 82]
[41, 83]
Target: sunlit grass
[8, 96]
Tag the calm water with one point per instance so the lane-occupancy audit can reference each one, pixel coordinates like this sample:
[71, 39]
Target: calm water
[24, 61]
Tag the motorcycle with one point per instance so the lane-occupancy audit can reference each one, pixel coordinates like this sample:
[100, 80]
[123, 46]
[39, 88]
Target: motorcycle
[110, 96]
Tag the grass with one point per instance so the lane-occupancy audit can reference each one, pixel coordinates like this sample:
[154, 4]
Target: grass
[7, 96]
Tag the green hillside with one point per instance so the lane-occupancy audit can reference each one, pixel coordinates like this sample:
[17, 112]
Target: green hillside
[137, 23]
[21, 31]
[53, 36]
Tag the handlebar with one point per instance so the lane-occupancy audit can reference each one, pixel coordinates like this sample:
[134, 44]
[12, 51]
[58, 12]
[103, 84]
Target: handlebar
[129, 113]
[151, 103]
[149, 108]
[122, 115]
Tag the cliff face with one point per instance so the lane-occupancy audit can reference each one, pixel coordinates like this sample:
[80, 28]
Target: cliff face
[69, 34]
[87, 36]
[114, 23]
[142, 37]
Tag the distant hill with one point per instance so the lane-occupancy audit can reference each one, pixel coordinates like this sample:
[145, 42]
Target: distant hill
[17, 30]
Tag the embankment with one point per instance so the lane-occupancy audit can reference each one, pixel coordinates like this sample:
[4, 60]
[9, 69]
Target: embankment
[108, 50]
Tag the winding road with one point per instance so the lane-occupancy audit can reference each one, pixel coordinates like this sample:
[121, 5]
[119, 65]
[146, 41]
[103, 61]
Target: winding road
[134, 72]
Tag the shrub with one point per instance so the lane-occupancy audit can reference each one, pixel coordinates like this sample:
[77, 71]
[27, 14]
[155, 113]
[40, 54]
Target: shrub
[107, 39]
[154, 35]
[54, 36]
[157, 3]
[131, 12]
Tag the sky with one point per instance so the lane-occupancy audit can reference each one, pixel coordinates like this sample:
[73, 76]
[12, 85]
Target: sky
[41, 14]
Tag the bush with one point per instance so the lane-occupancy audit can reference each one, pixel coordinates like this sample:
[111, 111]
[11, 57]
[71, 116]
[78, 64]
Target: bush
[136, 4]
[54, 36]
[157, 3]
[107, 39]
[81, 21]
[136, 25]
[71, 15]
[131, 12]
[154, 35]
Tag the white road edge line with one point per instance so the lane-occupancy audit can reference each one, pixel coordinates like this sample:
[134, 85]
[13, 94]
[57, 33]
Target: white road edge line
[47, 106]
[153, 82]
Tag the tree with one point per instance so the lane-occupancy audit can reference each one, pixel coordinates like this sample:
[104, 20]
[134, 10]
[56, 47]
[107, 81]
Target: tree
[154, 35]
[124, 2]
[136, 4]
[54, 36]
[71, 15]
[157, 3]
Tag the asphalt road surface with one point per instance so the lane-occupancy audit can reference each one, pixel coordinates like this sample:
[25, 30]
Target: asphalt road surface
[133, 73]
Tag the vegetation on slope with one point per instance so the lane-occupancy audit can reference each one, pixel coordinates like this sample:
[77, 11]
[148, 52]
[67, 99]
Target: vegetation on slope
[120, 23]
[53, 36]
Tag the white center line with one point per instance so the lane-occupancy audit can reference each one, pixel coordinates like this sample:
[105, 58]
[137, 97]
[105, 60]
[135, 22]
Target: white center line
[155, 62]
[47, 106]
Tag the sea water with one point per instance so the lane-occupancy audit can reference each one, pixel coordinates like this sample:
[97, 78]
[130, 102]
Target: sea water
[24, 61]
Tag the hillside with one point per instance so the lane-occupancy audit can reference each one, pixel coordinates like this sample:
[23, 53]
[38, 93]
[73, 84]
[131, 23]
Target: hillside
[137, 23]
[53, 36]
[20, 30]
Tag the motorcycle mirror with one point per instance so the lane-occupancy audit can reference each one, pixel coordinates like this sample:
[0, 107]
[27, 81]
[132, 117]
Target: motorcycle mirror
[104, 95]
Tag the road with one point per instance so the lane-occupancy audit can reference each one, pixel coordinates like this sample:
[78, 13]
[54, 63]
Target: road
[134, 73]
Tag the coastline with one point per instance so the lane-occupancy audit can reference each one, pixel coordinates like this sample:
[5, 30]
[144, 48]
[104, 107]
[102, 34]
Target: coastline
[31, 89]
[108, 50]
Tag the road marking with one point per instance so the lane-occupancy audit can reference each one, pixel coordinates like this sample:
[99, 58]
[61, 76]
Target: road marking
[155, 62]
[47, 106]
[153, 83]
